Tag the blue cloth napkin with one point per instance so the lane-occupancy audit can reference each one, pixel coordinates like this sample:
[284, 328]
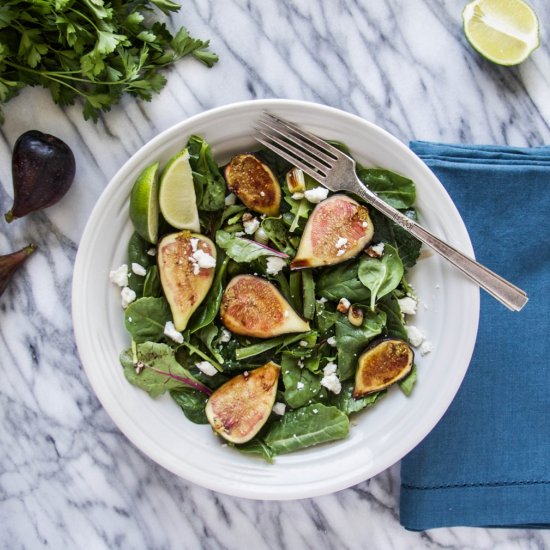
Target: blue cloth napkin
[487, 462]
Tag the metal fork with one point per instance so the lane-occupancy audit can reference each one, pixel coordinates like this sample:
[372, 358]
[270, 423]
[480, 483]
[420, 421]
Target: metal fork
[336, 171]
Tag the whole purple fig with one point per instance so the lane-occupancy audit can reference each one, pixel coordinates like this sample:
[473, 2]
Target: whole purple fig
[10, 263]
[43, 169]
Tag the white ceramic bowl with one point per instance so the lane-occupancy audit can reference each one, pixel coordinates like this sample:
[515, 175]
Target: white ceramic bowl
[379, 437]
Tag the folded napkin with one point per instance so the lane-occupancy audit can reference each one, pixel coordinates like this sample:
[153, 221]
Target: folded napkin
[487, 462]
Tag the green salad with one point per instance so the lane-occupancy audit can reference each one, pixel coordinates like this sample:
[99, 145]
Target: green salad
[263, 304]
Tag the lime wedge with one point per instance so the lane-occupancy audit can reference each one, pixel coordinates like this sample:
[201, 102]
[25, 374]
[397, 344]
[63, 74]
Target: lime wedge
[177, 199]
[144, 204]
[503, 31]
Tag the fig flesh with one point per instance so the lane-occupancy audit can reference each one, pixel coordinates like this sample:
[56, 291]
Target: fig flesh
[10, 263]
[254, 183]
[383, 362]
[252, 306]
[43, 169]
[238, 409]
[337, 230]
[186, 263]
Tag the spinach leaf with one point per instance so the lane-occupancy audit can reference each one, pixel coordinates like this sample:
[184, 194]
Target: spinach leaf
[381, 275]
[398, 191]
[233, 213]
[301, 385]
[256, 447]
[207, 311]
[388, 231]
[137, 253]
[305, 427]
[324, 318]
[395, 328]
[207, 335]
[308, 293]
[145, 319]
[207, 177]
[408, 383]
[159, 371]
[278, 165]
[342, 281]
[192, 403]
[152, 286]
[241, 250]
[348, 404]
[277, 231]
[265, 345]
[351, 340]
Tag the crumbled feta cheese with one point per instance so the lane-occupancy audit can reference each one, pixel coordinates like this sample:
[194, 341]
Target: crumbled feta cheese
[225, 336]
[138, 269]
[119, 276]
[322, 300]
[204, 260]
[316, 195]
[172, 333]
[416, 337]
[230, 199]
[297, 196]
[341, 242]
[128, 296]
[330, 368]
[426, 347]
[251, 226]
[194, 244]
[364, 224]
[274, 265]
[343, 305]
[279, 408]
[207, 368]
[299, 385]
[331, 341]
[262, 193]
[407, 305]
[152, 251]
[315, 411]
[340, 252]
[239, 233]
[330, 379]
[303, 343]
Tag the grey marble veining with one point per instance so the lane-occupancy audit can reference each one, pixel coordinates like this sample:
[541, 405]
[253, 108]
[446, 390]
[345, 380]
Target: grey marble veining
[68, 477]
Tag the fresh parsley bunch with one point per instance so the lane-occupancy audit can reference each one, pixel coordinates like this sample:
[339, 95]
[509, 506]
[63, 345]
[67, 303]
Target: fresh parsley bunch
[90, 49]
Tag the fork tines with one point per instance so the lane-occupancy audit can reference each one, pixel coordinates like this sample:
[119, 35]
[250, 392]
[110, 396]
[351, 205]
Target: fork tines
[299, 147]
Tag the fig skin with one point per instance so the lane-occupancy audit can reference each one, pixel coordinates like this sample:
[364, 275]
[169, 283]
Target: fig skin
[254, 184]
[383, 363]
[10, 263]
[252, 306]
[43, 170]
[338, 217]
[183, 287]
[238, 409]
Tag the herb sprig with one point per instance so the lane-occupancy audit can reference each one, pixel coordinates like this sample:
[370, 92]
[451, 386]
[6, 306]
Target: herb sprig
[91, 50]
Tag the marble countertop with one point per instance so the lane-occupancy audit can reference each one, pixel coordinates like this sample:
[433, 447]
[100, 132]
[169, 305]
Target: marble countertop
[68, 477]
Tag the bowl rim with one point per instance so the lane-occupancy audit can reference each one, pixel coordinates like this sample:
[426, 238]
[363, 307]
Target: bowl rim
[123, 173]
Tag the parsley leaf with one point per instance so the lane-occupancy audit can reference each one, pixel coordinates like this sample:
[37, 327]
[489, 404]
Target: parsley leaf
[94, 51]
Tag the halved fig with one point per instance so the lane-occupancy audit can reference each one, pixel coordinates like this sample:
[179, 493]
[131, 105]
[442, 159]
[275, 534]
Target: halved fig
[186, 263]
[254, 183]
[337, 229]
[238, 409]
[252, 306]
[383, 362]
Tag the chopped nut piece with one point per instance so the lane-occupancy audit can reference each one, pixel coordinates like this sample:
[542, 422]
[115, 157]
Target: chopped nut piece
[343, 305]
[355, 316]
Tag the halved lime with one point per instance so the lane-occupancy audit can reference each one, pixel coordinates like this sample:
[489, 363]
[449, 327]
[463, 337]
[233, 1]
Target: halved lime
[144, 204]
[503, 31]
[177, 199]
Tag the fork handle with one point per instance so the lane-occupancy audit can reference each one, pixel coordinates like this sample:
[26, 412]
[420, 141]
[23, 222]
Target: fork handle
[510, 295]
